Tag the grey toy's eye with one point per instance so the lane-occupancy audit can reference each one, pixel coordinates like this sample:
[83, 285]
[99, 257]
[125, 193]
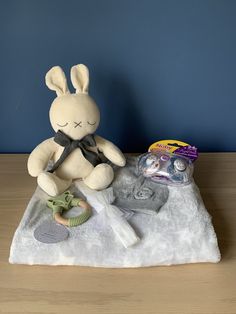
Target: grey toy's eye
[78, 124]
[62, 125]
[91, 123]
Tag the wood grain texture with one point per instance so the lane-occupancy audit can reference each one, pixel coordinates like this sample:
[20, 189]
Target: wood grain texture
[186, 289]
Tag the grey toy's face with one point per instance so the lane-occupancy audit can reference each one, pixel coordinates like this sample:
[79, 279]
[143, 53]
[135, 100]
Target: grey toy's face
[75, 115]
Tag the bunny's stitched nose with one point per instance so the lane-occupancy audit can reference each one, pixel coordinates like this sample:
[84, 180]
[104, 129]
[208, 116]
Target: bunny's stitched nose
[78, 124]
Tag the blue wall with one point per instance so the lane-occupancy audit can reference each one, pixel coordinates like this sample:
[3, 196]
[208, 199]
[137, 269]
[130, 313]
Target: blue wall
[159, 69]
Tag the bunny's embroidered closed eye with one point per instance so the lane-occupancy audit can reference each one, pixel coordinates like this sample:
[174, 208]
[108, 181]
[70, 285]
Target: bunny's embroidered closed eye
[91, 123]
[62, 125]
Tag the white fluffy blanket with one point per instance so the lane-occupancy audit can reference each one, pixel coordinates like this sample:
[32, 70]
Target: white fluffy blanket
[170, 225]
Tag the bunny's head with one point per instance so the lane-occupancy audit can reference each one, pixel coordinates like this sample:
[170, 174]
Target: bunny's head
[77, 114]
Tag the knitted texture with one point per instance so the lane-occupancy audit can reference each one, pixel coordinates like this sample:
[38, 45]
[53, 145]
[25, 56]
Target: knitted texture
[79, 220]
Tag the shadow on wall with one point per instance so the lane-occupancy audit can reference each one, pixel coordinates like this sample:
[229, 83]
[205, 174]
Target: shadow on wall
[123, 117]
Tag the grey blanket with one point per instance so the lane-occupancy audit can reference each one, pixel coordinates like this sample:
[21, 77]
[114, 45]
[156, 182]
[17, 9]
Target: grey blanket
[172, 224]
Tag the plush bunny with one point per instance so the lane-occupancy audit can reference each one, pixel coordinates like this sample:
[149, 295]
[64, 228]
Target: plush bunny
[75, 150]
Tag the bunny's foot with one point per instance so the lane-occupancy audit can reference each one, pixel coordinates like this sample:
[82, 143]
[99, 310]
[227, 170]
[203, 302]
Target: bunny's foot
[52, 184]
[101, 176]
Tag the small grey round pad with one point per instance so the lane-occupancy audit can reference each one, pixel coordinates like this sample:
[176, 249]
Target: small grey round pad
[51, 232]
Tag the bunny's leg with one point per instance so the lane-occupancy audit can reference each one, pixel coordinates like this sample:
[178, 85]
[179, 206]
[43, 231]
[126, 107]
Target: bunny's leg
[101, 176]
[52, 184]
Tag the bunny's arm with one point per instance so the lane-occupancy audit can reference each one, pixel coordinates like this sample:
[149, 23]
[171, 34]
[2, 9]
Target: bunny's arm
[40, 156]
[110, 151]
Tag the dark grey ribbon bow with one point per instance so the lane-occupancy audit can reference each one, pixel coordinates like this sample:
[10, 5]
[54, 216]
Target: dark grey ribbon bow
[69, 144]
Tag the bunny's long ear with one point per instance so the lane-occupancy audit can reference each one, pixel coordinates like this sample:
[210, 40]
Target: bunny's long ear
[80, 78]
[56, 80]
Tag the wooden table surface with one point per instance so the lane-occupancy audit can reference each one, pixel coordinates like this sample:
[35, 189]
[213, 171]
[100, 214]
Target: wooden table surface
[186, 289]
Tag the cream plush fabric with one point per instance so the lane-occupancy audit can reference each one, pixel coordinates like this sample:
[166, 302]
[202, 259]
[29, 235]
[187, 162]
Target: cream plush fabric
[171, 227]
[77, 116]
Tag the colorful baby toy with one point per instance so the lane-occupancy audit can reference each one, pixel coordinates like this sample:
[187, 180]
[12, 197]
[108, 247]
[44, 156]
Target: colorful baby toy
[169, 162]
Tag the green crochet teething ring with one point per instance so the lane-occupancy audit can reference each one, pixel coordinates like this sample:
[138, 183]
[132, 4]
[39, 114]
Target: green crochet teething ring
[65, 202]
